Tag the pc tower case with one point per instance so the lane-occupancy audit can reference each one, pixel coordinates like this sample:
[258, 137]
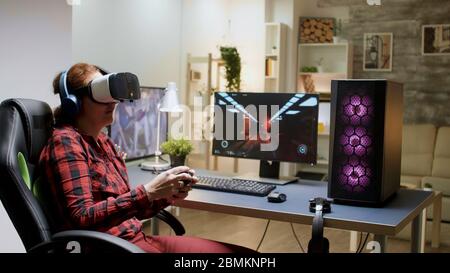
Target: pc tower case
[365, 141]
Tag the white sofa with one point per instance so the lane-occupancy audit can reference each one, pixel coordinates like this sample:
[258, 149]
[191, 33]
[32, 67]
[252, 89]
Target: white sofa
[440, 174]
[426, 160]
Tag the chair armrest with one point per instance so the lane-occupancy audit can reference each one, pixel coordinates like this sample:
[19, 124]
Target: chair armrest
[97, 241]
[172, 221]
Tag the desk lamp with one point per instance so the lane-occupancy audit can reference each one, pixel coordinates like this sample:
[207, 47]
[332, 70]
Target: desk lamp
[169, 103]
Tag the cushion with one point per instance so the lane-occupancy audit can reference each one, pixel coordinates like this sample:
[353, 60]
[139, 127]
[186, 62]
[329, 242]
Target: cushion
[441, 162]
[411, 181]
[23, 168]
[418, 149]
[438, 184]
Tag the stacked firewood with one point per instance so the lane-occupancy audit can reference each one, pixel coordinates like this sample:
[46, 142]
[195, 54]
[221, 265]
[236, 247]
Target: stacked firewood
[316, 30]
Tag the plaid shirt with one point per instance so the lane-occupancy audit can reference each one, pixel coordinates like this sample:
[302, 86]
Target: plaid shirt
[89, 182]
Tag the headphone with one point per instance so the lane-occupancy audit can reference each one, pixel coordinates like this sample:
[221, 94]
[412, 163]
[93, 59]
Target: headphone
[70, 103]
[318, 243]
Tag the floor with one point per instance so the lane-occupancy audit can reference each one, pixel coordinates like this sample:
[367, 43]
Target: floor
[279, 238]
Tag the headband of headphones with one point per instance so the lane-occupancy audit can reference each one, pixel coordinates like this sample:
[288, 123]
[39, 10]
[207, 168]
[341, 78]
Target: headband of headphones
[109, 88]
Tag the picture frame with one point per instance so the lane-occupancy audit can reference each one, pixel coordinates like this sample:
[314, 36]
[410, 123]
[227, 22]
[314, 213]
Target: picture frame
[436, 40]
[317, 30]
[378, 51]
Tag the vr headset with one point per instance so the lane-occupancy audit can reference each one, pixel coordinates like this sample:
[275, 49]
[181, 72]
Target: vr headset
[109, 88]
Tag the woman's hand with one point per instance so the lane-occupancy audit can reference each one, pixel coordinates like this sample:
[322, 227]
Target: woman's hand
[169, 184]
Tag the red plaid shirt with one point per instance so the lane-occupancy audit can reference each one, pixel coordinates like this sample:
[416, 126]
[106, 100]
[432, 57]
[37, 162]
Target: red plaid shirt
[89, 182]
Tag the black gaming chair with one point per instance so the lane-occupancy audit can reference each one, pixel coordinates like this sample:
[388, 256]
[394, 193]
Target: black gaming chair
[25, 127]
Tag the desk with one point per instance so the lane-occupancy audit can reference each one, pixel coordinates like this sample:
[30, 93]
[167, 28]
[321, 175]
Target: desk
[407, 206]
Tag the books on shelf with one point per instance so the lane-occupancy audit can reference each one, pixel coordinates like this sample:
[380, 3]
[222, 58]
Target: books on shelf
[271, 66]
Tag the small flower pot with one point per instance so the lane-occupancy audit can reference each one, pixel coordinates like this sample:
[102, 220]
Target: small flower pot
[176, 161]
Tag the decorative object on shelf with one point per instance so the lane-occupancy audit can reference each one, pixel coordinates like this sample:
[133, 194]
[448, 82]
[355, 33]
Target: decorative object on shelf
[436, 39]
[316, 30]
[274, 50]
[337, 32]
[177, 149]
[321, 127]
[195, 75]
[232, 67]
[271, 66]
[319, 65]
[308, 83]
[377, 52]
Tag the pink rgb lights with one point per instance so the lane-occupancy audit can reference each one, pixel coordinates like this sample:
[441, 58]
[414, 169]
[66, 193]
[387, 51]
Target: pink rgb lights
[355, 142]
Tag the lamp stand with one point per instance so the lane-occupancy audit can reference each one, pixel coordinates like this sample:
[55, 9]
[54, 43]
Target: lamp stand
[158, 164]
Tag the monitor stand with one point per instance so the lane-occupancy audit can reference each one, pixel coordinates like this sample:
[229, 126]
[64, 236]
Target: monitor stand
[269, 173]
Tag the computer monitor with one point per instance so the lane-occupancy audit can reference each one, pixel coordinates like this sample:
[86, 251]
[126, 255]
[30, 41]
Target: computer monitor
[271, 127]
[135, 123]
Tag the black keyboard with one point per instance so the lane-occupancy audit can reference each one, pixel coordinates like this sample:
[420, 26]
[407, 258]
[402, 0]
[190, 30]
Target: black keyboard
[234, 185]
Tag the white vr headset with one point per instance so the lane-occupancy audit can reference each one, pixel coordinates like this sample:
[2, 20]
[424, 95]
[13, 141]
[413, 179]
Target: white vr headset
[109, 88]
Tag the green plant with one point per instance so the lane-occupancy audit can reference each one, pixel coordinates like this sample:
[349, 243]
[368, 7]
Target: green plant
[428, 185]
[177, 147]
[310, 69]
[232, 67]
[338, 28]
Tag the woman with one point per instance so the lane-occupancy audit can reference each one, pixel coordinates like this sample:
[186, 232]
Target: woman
[89, 179]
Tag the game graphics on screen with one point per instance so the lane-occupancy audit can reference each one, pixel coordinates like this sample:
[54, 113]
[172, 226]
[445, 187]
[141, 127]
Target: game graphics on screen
[270, 126]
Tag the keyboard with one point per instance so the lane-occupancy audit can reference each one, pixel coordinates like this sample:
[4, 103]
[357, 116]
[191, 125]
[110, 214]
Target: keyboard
[233, 185]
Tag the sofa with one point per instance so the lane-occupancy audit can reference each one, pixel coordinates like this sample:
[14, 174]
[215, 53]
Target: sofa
[426, 161]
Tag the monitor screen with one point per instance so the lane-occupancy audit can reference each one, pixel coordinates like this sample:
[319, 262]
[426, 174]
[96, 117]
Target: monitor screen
[266, 126]
[135, 124]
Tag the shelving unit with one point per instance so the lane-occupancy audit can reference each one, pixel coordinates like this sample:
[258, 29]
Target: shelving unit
[337, 63]
[275, 51]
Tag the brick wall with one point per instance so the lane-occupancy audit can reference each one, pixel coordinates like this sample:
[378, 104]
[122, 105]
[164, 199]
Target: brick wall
[426, 79]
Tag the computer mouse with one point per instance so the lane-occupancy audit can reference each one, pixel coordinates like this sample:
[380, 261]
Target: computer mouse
[276, 197]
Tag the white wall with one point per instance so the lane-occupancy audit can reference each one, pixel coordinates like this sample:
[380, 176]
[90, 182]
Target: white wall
[35, 43]
[209, 24]
[9, 238]
[140, 36]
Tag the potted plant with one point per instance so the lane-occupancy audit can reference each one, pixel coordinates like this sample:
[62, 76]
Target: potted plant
[177, 149]
[338, 31]
[427, 187]
[319, 65]
[232, 67]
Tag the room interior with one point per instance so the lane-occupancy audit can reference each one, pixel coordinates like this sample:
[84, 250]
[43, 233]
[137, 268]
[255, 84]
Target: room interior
[164, 41]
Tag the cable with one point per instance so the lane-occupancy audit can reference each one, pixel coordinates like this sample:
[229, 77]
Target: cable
[360, 241]
[296, 238]
[363, 245]
[264, 235]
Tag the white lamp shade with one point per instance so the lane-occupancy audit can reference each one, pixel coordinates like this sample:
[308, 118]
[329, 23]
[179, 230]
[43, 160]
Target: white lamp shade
[169, 102]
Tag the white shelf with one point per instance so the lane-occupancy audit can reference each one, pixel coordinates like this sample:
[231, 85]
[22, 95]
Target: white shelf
[323, 73]
[336, 62]
[274, 54]
[322, 44]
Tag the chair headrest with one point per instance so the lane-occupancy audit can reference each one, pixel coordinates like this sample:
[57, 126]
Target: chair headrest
[37, 118]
